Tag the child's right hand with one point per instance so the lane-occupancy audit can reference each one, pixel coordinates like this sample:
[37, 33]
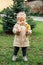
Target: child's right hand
[18, 32]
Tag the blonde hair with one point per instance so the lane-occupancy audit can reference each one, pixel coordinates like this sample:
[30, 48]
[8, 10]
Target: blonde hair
[21, 14]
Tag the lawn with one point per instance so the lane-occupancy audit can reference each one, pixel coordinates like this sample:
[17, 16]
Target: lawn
[34, 53]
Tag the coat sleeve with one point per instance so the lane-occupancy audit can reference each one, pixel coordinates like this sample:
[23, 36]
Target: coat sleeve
[15, 28]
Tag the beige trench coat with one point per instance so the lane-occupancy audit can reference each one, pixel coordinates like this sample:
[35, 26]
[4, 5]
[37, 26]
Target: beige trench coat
[21, 40]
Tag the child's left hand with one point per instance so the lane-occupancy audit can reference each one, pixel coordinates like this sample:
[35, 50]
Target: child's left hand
[26, 30]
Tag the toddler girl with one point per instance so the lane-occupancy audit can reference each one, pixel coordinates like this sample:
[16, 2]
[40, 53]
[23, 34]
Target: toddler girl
[21, 35]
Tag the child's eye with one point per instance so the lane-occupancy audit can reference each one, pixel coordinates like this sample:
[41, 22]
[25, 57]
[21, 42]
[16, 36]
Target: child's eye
[22, 19]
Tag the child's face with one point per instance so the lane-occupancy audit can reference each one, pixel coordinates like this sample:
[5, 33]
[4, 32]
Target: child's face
[21, 20]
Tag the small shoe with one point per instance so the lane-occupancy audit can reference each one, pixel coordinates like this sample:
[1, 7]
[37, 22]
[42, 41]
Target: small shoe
[14, 58]
[25, 58]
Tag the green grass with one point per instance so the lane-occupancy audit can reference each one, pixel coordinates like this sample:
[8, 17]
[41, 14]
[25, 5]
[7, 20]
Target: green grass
[35, 51]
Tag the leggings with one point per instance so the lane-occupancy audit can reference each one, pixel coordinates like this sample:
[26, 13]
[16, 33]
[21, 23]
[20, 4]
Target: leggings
[16, 49]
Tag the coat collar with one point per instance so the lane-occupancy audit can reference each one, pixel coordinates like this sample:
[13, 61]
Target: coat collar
[24, 24]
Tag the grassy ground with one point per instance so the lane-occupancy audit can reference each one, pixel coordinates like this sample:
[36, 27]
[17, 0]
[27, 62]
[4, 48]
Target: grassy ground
[35, 51]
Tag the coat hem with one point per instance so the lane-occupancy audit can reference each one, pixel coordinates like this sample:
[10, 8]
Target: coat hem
[21, 46]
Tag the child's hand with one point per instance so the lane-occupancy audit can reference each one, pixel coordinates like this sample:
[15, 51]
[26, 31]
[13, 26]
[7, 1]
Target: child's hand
[18, 32]
[26, 30]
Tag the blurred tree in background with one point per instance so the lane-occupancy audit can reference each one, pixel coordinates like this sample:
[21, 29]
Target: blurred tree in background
[8, 20]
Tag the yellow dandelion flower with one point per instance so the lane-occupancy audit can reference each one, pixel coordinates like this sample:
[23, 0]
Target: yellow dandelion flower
[27, 26]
